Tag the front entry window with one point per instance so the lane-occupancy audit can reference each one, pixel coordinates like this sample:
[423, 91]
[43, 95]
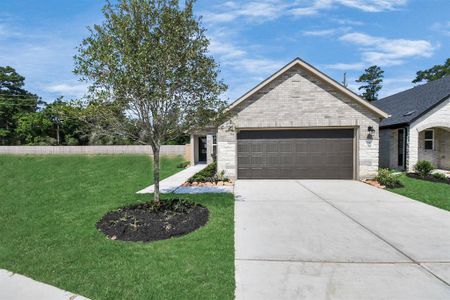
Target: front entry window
[429, 140]
[202, 149]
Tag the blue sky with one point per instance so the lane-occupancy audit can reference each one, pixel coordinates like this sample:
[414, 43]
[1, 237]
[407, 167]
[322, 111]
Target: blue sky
[250, 39]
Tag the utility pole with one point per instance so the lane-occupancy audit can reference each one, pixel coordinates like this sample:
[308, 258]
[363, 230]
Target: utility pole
[344, 82]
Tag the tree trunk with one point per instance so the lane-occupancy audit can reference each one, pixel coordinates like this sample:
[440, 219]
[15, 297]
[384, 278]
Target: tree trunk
[57, 133]
[155, 149]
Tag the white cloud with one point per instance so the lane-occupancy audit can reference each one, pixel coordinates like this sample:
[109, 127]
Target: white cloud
[364, 5]
[320, 32]
[372, 5]
[347, 22]
[259, 11]
[313, 8]
[345, 66]
[3, 30]
[271, 9]
[387, 52]
[326, 32]
[442, 27]
[258, 65]
[8, 31]
[68, 89]
[225, 50]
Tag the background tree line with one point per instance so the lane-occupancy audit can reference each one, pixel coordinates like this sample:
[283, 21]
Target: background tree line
[25, 119]
[372, 78]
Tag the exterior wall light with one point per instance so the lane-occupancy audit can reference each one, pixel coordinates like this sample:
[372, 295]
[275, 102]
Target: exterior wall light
[371, 129]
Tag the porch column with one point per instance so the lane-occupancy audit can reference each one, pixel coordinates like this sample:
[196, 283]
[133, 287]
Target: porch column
[412, 155]
[209, 148]
[193, 147]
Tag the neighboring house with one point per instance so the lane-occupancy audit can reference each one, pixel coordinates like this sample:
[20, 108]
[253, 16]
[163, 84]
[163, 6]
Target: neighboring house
[299, 124]
[419, 126]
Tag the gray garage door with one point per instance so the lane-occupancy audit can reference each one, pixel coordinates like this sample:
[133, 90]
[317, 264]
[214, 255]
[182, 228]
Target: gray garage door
[295, 154]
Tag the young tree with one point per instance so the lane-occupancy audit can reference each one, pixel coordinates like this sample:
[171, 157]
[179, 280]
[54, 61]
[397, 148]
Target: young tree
[372, 77]
[436, 72]
[14, 101]
[150, 59]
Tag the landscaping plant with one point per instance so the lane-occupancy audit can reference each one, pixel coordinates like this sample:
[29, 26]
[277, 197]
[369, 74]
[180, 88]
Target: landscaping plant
[388, 179]
[209, 174]
[183, 164]
[150, 59]
[440, 176]
[424, 168]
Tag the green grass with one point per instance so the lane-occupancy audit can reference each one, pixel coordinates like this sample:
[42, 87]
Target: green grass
[433, 193]
[49, 207]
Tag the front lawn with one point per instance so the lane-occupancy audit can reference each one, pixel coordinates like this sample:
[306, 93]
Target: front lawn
[436, 194]
[49, 207]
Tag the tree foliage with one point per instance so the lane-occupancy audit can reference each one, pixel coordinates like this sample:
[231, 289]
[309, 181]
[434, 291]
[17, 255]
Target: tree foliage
[372, 79]
[150, 59]
[433, 73]
[14, 102]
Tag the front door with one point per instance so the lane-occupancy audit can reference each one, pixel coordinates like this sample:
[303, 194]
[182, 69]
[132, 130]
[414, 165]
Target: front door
[202, 149]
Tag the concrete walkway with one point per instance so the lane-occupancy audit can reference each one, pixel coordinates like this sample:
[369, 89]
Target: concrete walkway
[18, 287]
[311, 239]
[169, 184]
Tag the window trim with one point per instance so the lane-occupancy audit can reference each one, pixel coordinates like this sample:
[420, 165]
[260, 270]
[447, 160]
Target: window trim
[425, 140]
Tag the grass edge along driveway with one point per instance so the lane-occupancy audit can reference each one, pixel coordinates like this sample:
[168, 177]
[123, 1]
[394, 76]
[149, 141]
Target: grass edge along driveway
[432, 193]
[49, 207]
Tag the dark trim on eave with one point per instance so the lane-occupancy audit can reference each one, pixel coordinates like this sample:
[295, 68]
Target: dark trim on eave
[394, 126]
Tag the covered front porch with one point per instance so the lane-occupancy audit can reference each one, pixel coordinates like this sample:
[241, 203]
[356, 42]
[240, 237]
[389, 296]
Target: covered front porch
[203, 146]
[430, 143]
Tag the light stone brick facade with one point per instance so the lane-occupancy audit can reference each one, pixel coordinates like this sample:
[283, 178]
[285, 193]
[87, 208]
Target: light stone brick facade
[438, 118]
[299, 99]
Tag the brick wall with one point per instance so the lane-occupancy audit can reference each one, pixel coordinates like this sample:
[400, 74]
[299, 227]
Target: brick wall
[438, 117]
[296, 99]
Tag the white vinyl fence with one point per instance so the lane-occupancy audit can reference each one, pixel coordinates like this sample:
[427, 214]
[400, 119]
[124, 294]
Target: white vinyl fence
[171, 150]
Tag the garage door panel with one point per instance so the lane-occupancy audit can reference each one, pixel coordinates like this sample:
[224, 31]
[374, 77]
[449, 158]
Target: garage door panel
[295, 154]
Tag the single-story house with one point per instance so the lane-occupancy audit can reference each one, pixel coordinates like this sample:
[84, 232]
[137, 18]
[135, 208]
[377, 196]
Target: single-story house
[418, 128]
[297, 124]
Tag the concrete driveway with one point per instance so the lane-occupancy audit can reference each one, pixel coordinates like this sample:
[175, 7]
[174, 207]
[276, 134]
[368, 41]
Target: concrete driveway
[327, 239]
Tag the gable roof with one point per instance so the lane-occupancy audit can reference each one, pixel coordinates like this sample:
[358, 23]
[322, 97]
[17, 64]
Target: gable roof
[309, 68]
[407, 106]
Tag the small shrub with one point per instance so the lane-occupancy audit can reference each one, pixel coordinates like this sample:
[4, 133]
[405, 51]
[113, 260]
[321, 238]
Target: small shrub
[440, 176]
[209, 174]
[388, 179]
[183, 164]
[424, 168]
[221, 177]
[205, 175]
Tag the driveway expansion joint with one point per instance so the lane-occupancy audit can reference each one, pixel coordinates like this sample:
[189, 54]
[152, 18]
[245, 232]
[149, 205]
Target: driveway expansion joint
[329, 262]
[375, 234]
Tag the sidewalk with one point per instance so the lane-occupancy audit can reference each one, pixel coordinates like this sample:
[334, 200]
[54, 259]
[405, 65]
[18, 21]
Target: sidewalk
[18, 287]
[171, 183]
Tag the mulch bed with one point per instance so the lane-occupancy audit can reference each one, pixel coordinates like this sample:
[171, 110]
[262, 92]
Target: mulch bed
[428, 178]
[148, 222]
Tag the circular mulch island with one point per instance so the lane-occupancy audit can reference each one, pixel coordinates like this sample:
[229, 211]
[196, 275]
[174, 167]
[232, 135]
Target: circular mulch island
[148, 222]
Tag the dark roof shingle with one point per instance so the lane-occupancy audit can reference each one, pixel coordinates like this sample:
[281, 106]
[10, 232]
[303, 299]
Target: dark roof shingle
[406, 106]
